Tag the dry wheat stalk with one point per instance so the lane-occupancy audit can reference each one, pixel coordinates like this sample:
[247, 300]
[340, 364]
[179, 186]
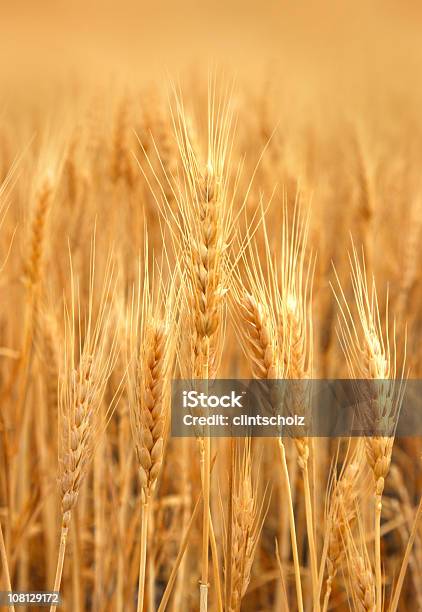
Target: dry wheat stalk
[151, 342]
[89, 357]
[257, 328]
[246, 523]
[293, 296]
[205, 227]
[289, 292]
[341, 515]
[370, 358]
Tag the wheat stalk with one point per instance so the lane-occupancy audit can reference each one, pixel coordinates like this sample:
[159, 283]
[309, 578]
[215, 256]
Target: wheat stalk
[205, 226]
[288, 289]
[89, 356]
[342, 514]
[258, 329]
[370, 358]
[293, 296]
[246, 523]
[151, 342]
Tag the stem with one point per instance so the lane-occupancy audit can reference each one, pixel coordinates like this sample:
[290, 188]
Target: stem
[378, 577]
[125, 474]
[76, 565]
[5, 566]
[311, 537]
[292, 525]
[151, 566]
[143, 557]
[323, 562]
[98, 518]
[228, 573]
[406, 558]
[206, 481]
[284, 604]
[48, 509]
[203, 588]
[186, 497]
[284, 538]
[60, 562]
[214, 553]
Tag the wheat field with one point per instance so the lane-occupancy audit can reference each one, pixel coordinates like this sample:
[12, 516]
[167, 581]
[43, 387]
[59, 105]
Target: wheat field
[200, 192]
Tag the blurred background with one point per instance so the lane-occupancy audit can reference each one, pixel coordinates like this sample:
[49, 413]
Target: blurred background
[308, 45]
